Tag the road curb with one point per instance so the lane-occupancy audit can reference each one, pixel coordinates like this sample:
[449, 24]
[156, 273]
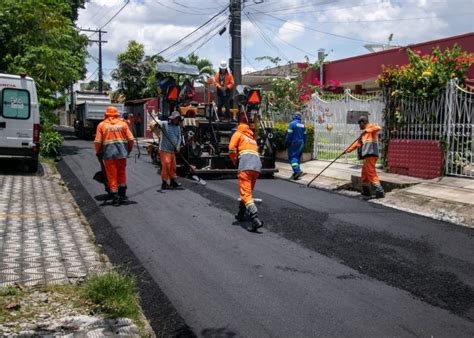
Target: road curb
[160, 312]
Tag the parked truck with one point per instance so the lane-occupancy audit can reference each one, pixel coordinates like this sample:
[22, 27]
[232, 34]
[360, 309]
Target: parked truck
[89, 109]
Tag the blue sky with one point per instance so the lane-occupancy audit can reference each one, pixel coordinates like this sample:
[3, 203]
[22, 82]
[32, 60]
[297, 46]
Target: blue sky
[289, 29]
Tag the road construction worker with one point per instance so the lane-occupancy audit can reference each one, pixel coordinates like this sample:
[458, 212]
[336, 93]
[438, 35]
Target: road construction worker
[368, 150]
[113, 143]
[137, 121]
[295, 141]
[170, 144]
[224, 82]
[127, 119]
[244, 149]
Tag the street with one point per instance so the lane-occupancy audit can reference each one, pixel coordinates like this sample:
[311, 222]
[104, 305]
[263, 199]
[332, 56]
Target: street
[324, 264]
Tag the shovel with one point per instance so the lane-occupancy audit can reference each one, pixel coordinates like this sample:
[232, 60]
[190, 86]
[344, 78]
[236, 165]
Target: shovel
[101, 176]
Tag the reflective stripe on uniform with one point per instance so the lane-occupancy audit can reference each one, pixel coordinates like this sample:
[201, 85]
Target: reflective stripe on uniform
[248, 152]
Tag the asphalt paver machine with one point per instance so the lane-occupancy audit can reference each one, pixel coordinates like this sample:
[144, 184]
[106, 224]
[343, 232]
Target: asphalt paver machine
[206, 136]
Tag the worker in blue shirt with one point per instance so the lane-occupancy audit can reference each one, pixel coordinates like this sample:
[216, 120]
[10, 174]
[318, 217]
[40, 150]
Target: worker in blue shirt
[295, 141]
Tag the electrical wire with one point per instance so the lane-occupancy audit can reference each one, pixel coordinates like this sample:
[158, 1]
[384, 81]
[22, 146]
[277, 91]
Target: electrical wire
[401, 19]
[178, 10]
[290, 44]
[205, 42]
[300, 6]
[194, 31]
[267, 40]
[196, 8]
[319, 31]
[178, 50]
[113, 17]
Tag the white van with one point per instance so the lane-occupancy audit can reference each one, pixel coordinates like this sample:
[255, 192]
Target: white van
[19, 120]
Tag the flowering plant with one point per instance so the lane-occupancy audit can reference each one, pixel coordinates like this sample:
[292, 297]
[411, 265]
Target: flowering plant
[293, 92]
[426, 75]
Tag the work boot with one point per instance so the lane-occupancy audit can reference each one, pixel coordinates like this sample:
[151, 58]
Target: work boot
[297, 175]
[165, 186]
[379, 192]
[115, 199]
[241, 214]
[365, 191]
[122, 194]
[255, 222]
[175, 184]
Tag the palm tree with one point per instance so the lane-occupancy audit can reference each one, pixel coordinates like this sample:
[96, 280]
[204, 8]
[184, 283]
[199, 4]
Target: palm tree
[204, 65]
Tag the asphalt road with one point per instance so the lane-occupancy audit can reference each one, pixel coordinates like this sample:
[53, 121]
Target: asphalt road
[323, 265]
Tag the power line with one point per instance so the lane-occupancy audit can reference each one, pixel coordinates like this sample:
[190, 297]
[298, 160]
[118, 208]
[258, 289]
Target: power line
[325, 9]
[113, 17]
[402, 19]
[291, 45]
[209, 39]
[301, 6]
[177, 10]
[318, 31]
[194, 31]
[179, 50]
[196, 8]
[266, 39]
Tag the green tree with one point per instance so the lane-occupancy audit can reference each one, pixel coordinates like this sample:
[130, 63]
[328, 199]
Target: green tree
[38, 38]
[204, 65]
[94, 86]
[136, 72]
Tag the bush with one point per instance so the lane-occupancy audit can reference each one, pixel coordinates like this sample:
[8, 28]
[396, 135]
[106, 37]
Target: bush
[50, 143]
[114, 293]
[279, 134]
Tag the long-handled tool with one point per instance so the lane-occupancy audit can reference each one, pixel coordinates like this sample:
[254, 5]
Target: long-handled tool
[136, 142]
[338, 157]
[192, 168]
[101, 175]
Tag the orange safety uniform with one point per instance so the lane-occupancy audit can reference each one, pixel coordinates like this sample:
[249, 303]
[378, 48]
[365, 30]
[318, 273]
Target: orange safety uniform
[114, 141]
[243, 147]
[368, 150]
[227, 82]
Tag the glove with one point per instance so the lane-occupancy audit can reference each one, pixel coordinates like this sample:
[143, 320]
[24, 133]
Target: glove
[100, 156]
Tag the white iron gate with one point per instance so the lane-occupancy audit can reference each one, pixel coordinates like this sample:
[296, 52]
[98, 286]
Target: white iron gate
[332, 132]
[459, 131]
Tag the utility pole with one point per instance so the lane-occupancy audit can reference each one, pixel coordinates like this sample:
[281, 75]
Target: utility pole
[236, 36]
[99, 42]
[101, 74]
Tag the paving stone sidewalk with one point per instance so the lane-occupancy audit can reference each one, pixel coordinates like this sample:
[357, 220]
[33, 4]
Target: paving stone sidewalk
[43, 237]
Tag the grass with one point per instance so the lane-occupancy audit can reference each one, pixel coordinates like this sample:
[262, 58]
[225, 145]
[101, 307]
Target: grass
[110, 295]
[114, 293]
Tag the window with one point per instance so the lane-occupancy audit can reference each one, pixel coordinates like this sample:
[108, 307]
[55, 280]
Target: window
[16, 104]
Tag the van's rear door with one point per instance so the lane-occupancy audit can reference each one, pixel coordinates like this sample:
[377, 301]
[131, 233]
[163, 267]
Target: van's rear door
[16, 120]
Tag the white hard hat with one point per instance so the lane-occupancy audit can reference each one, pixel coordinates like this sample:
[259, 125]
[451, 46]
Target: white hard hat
[223, 65]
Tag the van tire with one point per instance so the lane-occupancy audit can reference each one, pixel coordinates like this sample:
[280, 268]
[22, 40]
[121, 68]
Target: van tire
[33, 166]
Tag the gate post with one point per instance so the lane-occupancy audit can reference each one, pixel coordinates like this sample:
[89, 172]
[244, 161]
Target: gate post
[450, 92]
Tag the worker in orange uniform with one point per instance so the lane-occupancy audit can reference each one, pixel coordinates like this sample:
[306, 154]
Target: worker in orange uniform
[244, 149]
[113, 143]
[368, 150]
[224, 82]
[170, 144]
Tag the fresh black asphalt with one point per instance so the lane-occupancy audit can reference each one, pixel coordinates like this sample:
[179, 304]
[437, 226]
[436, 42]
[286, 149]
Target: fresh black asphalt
[323, 265]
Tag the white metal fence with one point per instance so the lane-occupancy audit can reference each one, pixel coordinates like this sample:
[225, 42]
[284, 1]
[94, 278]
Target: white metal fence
[447, 118]
[332, 131]
[459, 131]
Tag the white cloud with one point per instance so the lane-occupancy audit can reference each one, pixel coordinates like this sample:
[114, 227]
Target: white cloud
[157, 27]
[389, 17]
[291, 30]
